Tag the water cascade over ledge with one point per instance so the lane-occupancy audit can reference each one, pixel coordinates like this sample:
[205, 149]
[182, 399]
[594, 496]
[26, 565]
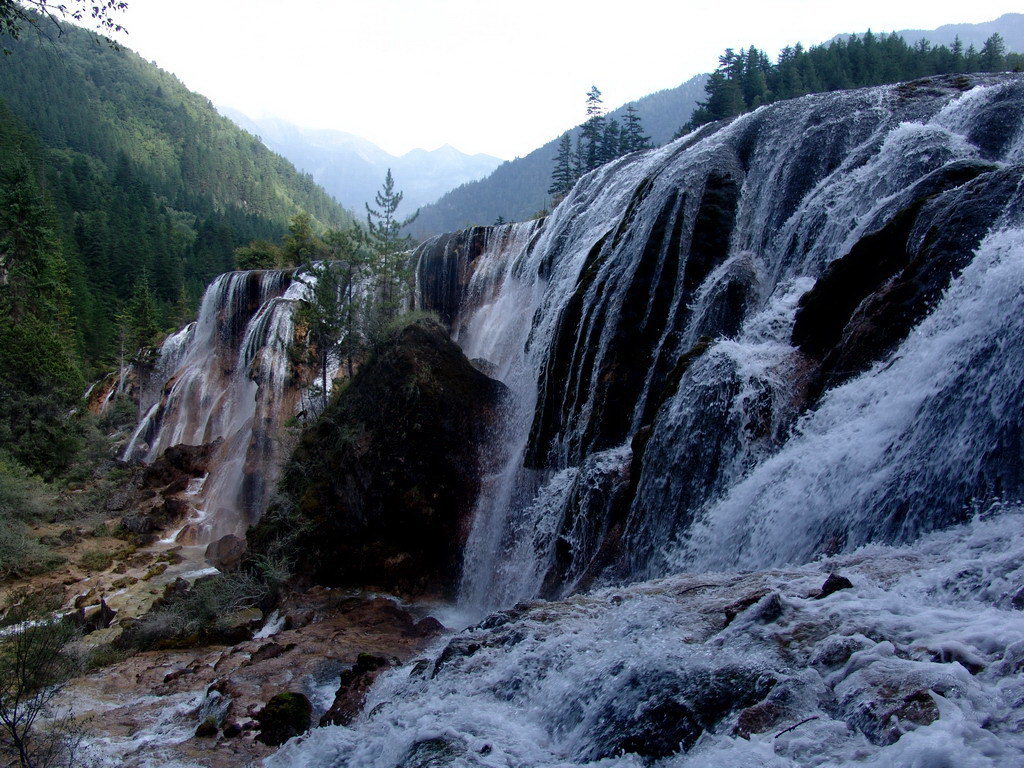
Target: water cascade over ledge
[227, 377]
[746, 348]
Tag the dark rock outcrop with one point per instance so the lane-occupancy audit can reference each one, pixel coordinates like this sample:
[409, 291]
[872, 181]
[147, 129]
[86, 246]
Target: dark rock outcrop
[285, 715]
[179, 461]
[867, 302]
[380, 490]
[353, 686]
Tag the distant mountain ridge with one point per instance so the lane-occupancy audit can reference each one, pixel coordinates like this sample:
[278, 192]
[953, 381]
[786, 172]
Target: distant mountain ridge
[1010, 26]
[352, 168]
[517, 189]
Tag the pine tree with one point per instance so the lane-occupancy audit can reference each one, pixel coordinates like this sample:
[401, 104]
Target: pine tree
[301, 245]
[993, 54]
[633, 138]
[610, 141]
[563, 175]
[592, 133]
[384, 230]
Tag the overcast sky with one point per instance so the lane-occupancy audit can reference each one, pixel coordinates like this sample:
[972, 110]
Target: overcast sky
[494, 77]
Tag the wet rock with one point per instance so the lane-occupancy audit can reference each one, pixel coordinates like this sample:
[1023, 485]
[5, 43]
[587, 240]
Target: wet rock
[384, 483]
[833, 584]
[460, 647]
[759, 718]
[836, 651]
[353, 686]
[266, 652]
[867, 301]
[207, 729]
[284, 716]
[231, 730]
[656, 714]
[178, 462]
[433, 753]
[428, 627]
[178, 486]
[226, 553]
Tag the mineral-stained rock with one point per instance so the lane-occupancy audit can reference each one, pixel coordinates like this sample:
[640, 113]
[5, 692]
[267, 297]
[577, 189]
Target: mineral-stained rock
[285, 715]
[381, 489]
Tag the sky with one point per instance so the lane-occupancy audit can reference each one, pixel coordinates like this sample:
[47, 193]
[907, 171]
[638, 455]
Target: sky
[496, 77]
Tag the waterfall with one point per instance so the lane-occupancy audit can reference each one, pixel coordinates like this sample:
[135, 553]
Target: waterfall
[793, 343]
[741, 349]
[227, 376]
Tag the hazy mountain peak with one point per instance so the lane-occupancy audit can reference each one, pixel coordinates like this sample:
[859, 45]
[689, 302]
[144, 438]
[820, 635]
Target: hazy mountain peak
[352, 168]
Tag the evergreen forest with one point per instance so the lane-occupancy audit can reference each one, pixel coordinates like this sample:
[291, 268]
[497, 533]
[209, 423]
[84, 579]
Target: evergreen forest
[747, 79]
[122, 194]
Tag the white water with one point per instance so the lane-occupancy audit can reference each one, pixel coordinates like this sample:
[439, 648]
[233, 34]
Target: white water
[823, 172]
[543, 690]
[228, 376]
[739, 474]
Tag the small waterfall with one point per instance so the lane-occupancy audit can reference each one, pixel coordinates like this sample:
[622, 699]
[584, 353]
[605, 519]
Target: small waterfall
[719, 350]
[228, 376]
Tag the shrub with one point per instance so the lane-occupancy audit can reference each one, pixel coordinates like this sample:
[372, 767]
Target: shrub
[201, 613]
[35, 665]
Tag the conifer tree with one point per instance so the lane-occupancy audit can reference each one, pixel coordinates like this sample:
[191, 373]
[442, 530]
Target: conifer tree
[384, 230]
[633, 137]
[592, 133]
[563, 175]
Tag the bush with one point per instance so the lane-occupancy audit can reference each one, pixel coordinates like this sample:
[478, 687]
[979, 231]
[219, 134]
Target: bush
[35, 665]
[21, 554]
[199, 614]
[98, 559]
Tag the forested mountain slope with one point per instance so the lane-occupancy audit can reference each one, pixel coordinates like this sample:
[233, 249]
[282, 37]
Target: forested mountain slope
[519, 188]
[1010, 26]
[122, 194]
[145, 177]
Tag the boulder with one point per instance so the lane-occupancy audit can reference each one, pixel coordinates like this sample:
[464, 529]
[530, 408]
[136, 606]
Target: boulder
[226, 553]
[832, 584]
[285, 715]
[179, 461]
[353, 686]
[380, 491]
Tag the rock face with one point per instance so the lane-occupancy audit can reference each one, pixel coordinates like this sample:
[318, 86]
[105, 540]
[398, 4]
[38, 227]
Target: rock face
[380, 491]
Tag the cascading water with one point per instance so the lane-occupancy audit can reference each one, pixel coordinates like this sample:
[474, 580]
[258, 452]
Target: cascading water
[797, 336]
[649, 331]
[227, 376]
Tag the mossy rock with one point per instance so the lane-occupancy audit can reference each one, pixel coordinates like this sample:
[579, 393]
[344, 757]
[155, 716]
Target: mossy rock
[285, 715]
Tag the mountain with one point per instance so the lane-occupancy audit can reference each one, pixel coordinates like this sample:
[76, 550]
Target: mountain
[1010, 26]
[352, 168]
[519, 188]
[146, 178]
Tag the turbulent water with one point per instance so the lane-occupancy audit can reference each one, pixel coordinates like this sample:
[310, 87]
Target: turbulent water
[766, 352]
[666, 419]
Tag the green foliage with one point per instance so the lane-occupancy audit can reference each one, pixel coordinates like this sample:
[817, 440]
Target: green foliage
[200, 613]
[144, 177]
[600, 140]
[259, 254]
[333, 311]
[391, 270]
[748, 79]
